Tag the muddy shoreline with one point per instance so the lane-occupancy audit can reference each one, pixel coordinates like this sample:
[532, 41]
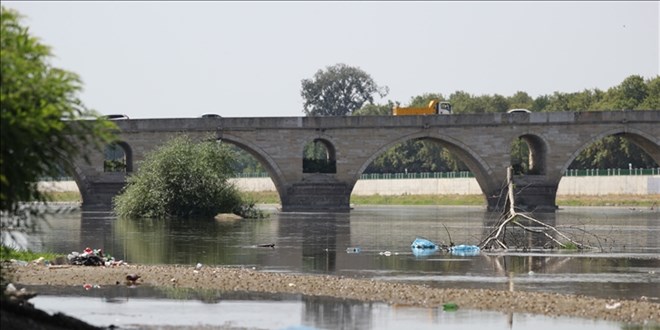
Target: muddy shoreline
[242, 279]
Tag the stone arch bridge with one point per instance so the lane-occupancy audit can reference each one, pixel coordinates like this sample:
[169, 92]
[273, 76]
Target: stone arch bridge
[481, 141]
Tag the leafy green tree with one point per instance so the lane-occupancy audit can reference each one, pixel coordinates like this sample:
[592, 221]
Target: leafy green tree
[416, 157]
[585, 100]
[242, 161]
[601, 154]
[39, 111]
[338, 91]
[519, 156]
[463, 102]
[496, 103]
[633, 91]
[652, 100]
[520, 100]
[540, 103]
[453, 163]
[557, 102]
[612, 152]
[460, 102]
[375, 109]
[181, 179]
[424, 99]
[626, 96]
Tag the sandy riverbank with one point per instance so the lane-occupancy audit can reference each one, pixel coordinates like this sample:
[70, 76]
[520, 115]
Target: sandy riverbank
[240, 279]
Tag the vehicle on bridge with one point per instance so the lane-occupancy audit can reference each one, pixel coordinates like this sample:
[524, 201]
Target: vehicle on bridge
[435, 107]
[518, 111]
[117, 116]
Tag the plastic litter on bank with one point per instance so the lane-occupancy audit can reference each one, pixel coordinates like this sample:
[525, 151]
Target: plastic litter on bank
[92, 257]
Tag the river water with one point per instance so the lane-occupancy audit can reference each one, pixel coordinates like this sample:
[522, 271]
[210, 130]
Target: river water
[370, 241]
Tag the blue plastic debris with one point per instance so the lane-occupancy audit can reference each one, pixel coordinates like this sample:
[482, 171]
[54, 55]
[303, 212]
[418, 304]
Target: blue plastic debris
[424, 252]
[465, 250]
[423, 243]
[422, 247]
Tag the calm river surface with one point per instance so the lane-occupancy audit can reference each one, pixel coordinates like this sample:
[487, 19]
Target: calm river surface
[370, 241]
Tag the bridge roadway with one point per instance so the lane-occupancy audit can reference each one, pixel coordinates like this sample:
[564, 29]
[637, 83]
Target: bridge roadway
[481, 141]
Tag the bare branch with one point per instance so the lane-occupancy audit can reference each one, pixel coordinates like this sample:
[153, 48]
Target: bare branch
[510, 218]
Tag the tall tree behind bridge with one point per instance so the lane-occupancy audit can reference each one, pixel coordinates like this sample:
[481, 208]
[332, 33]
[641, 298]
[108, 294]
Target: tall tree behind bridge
[338, 91]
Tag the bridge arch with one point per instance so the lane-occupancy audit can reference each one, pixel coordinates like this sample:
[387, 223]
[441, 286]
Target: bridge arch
[472, 160]
[537, 153]
[127, 156]
[319, 156]
[80, 178]
[264, 159]
[647, 142]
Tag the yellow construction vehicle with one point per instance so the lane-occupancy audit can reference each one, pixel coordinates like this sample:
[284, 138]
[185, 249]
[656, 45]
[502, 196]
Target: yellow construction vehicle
[435, 107]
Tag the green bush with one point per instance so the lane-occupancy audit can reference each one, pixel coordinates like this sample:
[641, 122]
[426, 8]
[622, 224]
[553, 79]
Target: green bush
[182, 179]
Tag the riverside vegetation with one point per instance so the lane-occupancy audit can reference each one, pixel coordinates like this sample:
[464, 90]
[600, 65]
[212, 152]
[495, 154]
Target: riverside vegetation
[184, 178]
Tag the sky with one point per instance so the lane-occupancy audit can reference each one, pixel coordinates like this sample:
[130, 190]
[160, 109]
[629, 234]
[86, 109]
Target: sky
[171, 59]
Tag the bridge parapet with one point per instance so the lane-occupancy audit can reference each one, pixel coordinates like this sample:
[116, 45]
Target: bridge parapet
[343, 122]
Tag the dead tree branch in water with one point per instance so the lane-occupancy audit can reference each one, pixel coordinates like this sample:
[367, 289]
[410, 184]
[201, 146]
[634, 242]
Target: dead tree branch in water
[512, 217]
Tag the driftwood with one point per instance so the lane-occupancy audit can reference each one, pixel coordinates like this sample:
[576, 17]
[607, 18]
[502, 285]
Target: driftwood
[512, 217]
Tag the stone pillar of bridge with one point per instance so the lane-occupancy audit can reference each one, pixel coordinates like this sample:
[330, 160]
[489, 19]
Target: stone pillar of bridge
[535, 193]
[317, 193]
[98, 192]
[317, 197]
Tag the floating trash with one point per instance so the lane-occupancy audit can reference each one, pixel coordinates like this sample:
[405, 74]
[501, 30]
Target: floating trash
[353, 250]
[421, 247]
[613, 305]
[423, 243]
[449, 307]
[465, 250]
[424, 252]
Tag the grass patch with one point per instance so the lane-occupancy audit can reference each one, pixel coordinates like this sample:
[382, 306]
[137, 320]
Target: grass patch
[418, 200]
[610, 200]
[262, 197]
[271, 197]
[7, 253]
[64, 196]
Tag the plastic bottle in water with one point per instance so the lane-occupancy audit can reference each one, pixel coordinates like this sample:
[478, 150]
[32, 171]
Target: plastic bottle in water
[465, 250]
